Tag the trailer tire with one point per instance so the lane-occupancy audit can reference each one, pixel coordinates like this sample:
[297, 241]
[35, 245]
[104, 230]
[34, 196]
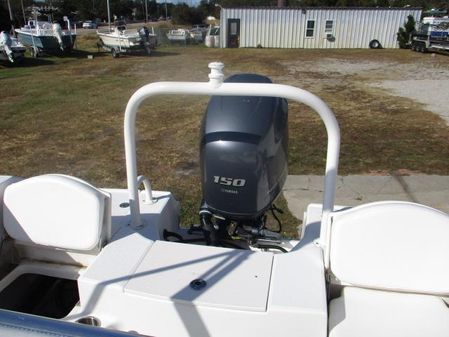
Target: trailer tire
[34, 52]
[114, 53]
[375, 44]
[68, 51]
[19, 60]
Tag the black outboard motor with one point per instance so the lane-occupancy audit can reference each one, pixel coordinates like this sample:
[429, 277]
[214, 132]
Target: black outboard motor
[244, 154]
[144, 34]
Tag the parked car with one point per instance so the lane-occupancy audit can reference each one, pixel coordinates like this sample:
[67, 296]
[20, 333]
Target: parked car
[89, 24]
[201, 27]
[198, 33]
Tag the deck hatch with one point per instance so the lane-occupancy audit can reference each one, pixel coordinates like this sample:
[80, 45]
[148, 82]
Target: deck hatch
[236, 279]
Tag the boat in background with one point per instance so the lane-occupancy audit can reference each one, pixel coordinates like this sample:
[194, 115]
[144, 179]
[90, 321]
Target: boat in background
[10, 49]
[178, 35]
[119, 40]
[198, 33]
[46, 37]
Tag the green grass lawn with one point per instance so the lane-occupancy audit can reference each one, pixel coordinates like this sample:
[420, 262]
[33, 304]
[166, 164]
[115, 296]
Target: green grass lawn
[65, 115]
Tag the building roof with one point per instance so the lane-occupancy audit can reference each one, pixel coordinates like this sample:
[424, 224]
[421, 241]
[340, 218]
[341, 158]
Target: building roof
[324, 8]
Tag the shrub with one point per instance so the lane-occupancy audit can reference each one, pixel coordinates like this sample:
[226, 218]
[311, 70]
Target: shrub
[404, 33]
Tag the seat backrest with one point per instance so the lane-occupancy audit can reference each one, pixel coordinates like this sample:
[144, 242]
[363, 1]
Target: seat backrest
[57, 211]
[5, 181]
[391, 245]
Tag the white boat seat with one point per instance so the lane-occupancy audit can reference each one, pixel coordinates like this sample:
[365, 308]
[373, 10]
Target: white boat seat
[393, 260]
[391, 245]
[372, 313]
[57, 211]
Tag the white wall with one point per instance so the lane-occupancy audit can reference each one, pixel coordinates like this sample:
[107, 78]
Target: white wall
[286, 28]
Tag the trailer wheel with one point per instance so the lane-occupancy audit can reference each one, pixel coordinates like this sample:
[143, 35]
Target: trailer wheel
[34, 52]
[114, 53]
[68, 51]
[19, 60]
[423, 48]
[374, 44]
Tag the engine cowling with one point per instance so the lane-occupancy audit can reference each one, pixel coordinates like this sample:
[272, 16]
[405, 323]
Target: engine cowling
[244, 152]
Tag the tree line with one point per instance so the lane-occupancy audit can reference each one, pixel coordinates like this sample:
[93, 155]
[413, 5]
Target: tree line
[79, 10]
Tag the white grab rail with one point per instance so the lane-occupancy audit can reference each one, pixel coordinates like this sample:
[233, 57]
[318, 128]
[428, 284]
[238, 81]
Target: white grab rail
[216, 87]
[148, 191]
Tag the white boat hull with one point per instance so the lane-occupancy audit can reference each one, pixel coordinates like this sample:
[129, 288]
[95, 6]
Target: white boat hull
[124, 41]
[46, 39]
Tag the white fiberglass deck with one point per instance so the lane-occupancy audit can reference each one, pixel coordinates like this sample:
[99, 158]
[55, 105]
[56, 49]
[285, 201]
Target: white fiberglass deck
[136, 270]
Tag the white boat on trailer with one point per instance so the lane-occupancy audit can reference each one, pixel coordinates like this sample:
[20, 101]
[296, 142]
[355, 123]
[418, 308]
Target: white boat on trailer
[45, 37]
[119, 40]
[105, 258]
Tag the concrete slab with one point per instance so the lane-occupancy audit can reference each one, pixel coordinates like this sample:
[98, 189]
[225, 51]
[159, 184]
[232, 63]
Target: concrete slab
[430, 190]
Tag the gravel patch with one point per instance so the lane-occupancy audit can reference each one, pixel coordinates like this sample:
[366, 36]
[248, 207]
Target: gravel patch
[426, 82]
[335, 66]
[434, 94]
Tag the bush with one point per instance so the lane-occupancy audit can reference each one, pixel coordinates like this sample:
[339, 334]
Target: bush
[404, 33]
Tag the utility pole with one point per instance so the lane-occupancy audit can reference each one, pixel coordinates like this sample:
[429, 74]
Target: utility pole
[109, 16]
[11, 19]
[166, 10]
[146, 10]
[23, 12]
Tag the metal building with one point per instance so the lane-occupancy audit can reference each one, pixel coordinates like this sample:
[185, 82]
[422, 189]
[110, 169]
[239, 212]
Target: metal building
[313, 27]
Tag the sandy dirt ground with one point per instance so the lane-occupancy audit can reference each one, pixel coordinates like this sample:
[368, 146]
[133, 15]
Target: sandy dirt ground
[433, 93]
[425, 81]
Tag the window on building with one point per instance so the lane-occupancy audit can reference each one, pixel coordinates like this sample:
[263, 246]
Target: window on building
[329, 28]
[310, 29]
[233, 28]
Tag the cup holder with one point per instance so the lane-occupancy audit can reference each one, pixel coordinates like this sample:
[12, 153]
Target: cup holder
[89, 320]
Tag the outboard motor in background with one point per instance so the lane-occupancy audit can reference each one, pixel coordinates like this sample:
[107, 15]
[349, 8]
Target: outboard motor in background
[57, 32]
[144, 34]
[244, 155]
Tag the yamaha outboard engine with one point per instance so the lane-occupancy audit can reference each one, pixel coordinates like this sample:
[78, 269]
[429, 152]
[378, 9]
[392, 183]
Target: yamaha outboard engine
[244, 144]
